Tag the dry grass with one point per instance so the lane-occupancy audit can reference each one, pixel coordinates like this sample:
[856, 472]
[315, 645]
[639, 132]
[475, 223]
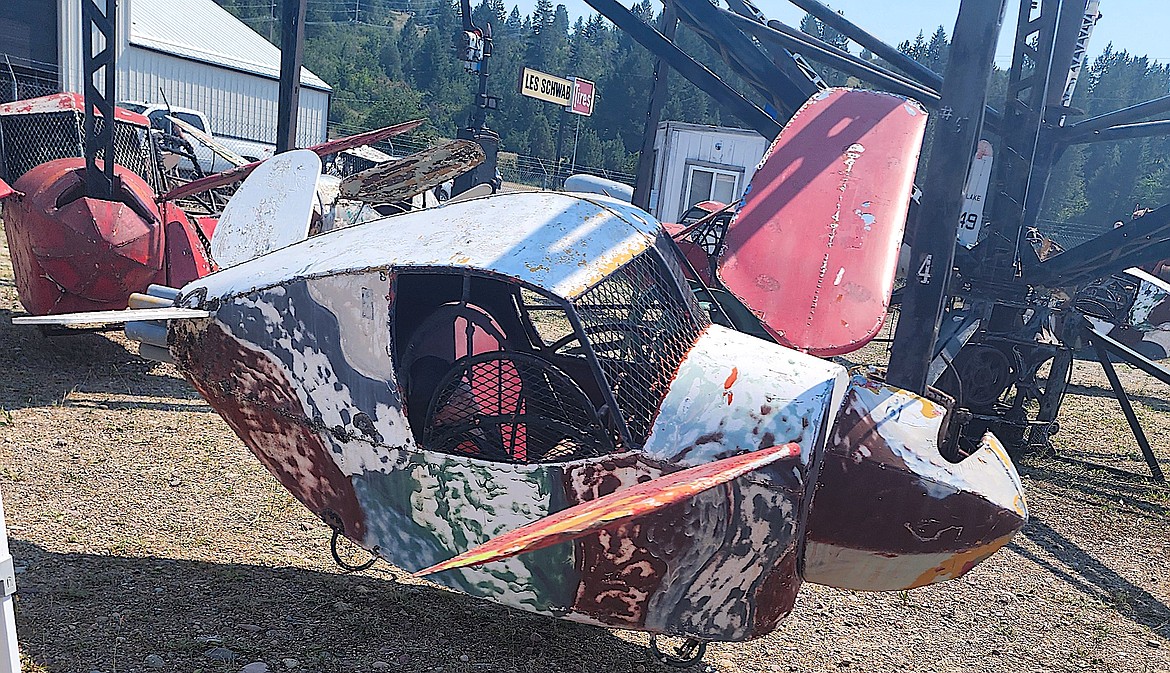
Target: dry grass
[142, 527]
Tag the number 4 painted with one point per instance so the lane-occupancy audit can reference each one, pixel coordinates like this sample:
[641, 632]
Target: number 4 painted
[924, 270]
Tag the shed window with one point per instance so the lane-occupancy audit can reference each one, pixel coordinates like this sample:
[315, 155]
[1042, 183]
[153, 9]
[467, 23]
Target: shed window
[710, 184]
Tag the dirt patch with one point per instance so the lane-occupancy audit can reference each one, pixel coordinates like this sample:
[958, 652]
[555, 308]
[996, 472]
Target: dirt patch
[147, 536]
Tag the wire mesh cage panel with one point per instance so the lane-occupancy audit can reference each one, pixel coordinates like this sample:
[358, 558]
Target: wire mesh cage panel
[28, 140]
[641, 322]
[513, 407]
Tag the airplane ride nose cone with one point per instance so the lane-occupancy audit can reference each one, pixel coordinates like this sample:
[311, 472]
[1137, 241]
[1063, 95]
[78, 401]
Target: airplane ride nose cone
[890, 513]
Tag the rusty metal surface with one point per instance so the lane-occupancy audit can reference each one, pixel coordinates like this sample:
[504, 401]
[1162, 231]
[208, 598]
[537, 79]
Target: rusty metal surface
[813, 249]
[71, 253]
[401, 179]
[616, 508]
[188, 256]
[66, 101]
[890, 512]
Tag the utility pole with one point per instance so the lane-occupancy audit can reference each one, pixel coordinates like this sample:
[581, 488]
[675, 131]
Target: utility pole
[292, 49]
[475, 50]
[645, 173]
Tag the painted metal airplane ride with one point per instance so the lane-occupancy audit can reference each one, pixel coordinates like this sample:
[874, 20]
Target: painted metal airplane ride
[520, 397]
[77, 248]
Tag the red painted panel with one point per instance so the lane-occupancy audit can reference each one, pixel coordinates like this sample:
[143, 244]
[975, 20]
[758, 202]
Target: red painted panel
[186, 254]
[87, 254]
[814, 248]
[66, 101]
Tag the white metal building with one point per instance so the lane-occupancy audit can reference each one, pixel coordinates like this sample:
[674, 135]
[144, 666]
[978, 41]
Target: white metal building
[195, 52]
[695, 162]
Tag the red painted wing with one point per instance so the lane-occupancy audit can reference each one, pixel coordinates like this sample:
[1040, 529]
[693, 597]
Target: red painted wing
[616, 508]
[814, 248]
[332, 147]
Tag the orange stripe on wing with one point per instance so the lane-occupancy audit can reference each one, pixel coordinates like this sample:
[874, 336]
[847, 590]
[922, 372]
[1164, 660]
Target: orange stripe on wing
[616, 508]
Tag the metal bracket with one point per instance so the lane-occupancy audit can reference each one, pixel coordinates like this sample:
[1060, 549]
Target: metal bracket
[7, 576]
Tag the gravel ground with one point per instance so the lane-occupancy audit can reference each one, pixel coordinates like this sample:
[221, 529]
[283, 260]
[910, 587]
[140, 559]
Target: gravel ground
[146, 537]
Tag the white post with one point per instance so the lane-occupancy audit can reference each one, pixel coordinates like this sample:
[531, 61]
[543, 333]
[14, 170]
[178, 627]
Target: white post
[9, 651]
[573, 164]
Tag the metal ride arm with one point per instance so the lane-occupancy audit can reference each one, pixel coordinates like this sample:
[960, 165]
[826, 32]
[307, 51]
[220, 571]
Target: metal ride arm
[99, 185]
[780, 80]
[957, 130]
[695, 72]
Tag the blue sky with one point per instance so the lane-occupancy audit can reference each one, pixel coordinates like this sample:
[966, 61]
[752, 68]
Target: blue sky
[1138, 26]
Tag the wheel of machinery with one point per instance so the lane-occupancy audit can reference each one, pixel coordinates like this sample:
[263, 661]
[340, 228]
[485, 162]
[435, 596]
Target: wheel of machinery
[978, 376]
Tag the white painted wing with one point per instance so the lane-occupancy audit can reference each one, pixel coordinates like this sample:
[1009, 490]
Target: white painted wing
[975, 195]
[270, 211]
[111, 317]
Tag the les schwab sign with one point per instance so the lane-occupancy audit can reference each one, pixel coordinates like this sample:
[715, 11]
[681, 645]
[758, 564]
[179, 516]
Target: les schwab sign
[575, 94]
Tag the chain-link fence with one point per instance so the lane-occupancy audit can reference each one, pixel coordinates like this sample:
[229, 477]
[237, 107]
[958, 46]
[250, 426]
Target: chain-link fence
[27, 80]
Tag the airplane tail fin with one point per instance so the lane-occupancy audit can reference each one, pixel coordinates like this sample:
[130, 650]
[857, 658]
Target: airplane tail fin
[813, 249]
[271, 209]
[616, 508]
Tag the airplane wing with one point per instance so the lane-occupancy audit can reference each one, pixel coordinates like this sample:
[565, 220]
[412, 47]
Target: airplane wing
[616, 508]
[403, 178]
[331, 147]
[111, 317]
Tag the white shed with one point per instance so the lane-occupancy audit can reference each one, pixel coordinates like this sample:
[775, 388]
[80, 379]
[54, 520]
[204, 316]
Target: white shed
[194, 51]
[695, 162]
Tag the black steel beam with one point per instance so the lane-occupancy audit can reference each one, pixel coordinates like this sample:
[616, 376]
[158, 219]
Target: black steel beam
[1134, 113]
[695, 72]
[1139, 241]
[780, 35]
[99, 184]
[1070, 39]
[956, 131]
[897, 59]
[1125, 132]
[783, 84]
[645, 175]
[1024, 112]
[292, 51]
[1126, 408]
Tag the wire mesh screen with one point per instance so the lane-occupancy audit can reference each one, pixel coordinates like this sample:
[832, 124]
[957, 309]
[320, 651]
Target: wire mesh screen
[29, 140]
[513, 407]
[640, 323]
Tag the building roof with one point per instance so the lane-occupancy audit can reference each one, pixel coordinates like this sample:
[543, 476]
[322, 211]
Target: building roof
[563, 243]
[203, 31]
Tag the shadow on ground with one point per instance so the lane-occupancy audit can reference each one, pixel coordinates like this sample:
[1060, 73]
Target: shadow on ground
[40, 370]
[106, 613]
